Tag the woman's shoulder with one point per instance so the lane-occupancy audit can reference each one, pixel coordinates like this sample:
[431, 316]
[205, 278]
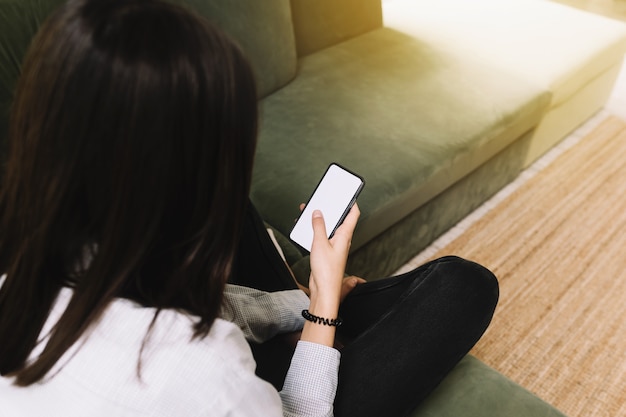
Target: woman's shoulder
[170, 333]
[215, 373]
[150, 362]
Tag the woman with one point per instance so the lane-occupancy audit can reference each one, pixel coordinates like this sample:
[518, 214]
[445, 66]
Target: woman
[131, 145]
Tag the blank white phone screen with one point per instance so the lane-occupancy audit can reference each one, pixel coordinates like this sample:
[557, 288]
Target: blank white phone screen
[334, 196]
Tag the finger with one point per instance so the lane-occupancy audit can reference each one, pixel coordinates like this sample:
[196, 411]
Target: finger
[353, 216]
[302, 206]
[319, 227]
[349, 224]
[357, 280]
[348, 284]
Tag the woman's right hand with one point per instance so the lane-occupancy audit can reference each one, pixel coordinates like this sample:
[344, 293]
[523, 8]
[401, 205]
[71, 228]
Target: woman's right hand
[328, 262]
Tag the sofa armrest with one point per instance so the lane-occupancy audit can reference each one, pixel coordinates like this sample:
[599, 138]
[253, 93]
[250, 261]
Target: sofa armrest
[322, 23]
[473, 389]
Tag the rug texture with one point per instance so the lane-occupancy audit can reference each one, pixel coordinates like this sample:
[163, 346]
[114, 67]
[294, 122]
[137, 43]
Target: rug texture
[558, 247]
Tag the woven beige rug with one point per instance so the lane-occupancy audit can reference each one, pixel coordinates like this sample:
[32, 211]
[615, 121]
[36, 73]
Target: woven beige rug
[558, 247]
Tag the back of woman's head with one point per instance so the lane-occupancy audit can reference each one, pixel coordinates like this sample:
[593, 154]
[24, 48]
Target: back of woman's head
[131, 143]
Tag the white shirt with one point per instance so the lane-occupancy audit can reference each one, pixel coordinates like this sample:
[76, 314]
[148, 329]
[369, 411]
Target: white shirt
[179, 375]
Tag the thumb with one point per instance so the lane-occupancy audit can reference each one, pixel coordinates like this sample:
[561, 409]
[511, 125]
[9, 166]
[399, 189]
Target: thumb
[319, 226]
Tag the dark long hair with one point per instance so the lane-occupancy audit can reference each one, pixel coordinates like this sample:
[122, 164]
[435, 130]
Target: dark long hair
[131, 145]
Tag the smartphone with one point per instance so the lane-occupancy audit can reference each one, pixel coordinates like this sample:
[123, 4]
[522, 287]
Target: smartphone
[334, 196]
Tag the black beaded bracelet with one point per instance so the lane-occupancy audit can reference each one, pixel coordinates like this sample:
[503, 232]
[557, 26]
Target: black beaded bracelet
[321, 320]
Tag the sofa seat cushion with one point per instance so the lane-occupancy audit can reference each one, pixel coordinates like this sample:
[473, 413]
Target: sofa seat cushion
[473, 389]
[571, 53]
[410, 118]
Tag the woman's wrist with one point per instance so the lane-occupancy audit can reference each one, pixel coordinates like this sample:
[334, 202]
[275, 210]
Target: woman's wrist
[324, 307]
[317, 331]
[321, 320]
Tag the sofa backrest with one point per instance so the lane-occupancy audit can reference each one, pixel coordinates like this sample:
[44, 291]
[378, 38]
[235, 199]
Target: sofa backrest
[19, 20]
[319, 24]
[262, 28]
[264, 31]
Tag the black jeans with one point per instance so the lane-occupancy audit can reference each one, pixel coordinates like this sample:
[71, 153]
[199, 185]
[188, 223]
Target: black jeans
[402, 335]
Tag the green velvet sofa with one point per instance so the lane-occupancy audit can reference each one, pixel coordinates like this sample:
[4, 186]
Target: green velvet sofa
[433, 122]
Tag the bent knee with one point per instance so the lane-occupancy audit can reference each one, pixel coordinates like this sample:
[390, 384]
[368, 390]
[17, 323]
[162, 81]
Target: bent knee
[471, 279]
